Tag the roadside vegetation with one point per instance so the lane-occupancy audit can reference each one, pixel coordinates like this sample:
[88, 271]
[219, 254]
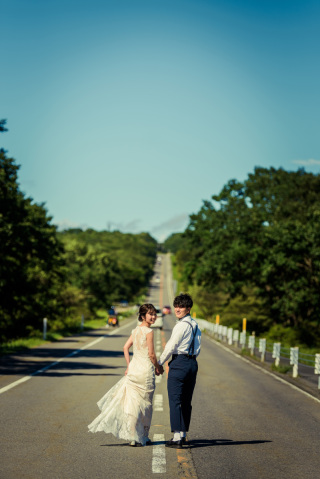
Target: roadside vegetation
[60, 275]
[98, 321]
[254, 252]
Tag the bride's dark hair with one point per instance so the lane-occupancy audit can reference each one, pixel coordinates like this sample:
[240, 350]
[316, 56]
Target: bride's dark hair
[144, 309]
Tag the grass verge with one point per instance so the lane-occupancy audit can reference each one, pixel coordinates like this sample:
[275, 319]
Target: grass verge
[281, 369]
[24, 344]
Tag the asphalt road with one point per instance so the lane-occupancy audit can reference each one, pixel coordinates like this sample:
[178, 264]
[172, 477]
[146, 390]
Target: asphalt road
[245, 423]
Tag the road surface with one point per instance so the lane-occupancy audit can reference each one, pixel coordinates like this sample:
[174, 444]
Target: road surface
[245, 423]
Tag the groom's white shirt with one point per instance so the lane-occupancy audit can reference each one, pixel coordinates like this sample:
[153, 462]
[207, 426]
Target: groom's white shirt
[181, 339]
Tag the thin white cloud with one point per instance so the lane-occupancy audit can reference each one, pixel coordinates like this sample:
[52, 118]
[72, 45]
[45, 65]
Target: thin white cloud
[130, 227]
[133, 225]
[67, 224]
[161, 231]
[175, 224]
[309, 162]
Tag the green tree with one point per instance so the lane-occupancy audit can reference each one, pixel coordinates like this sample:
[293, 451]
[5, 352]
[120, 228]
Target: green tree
[31, 268]
[2, 125]
[174, 242]
[60, 275]
[108, 266]
[260, 239]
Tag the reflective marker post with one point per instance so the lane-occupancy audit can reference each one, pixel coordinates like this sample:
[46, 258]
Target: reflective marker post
[243, 335]
[294, 358]
[244, 324]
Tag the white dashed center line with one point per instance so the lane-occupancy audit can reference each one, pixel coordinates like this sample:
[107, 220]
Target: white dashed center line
[158, 455]
[158, 402]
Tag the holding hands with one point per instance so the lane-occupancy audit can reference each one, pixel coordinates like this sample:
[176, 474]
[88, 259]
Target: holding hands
[159, 370]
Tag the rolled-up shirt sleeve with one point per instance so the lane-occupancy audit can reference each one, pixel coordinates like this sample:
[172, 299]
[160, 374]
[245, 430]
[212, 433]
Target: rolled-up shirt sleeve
[172, 344]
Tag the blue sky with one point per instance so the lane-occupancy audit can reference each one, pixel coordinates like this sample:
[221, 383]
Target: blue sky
[127, 114]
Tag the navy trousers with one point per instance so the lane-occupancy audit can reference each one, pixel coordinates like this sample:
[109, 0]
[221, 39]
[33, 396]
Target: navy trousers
[181, 382]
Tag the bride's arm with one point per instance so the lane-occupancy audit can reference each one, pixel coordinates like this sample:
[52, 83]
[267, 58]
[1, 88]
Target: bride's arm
[126, 348]
[152, 354]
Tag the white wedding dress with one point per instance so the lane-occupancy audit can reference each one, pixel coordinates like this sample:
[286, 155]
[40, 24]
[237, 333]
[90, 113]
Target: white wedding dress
[126, 409]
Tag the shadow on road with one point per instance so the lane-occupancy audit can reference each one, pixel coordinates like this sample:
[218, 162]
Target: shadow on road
[117, 445]
[200, 443]
[56, 374]
[220, 442]
[23, 364]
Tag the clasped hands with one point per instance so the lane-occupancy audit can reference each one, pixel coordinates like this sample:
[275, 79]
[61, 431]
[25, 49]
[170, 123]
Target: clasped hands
[159, 371]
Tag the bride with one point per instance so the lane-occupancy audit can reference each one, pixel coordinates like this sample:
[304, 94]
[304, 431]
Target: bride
[126, 409]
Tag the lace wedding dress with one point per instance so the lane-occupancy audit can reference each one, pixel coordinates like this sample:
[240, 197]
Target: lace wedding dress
[126, 409]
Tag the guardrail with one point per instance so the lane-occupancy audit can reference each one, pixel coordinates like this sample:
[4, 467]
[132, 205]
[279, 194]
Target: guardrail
[243, 340]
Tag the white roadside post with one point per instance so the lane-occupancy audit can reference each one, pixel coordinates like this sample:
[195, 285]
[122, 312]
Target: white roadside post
[220, 331]
[262, 348]
[294, 358]
[317, 367]
[224, 333]
[230, 331]
[243, 338]
[216, 330]
[213, 329]
[276, 353]
[252, 344]
[45, 322]
[236, 337]
[82, 322]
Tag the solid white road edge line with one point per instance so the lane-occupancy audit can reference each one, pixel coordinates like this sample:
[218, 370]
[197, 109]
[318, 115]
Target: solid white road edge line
[158, 455]
[265, 371]
[26, 378]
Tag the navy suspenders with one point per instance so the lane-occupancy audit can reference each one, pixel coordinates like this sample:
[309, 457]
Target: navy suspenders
[191, 347]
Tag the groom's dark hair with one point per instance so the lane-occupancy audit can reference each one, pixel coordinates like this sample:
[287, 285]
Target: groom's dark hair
[183, 300]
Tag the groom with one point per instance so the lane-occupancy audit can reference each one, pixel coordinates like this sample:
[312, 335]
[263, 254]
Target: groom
[184, 346]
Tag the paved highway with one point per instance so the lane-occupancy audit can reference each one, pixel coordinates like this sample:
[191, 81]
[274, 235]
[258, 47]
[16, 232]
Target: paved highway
[245, 424]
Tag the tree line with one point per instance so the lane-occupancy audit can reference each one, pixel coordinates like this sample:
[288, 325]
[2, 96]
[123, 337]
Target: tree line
[254, 251]
[60, 275]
